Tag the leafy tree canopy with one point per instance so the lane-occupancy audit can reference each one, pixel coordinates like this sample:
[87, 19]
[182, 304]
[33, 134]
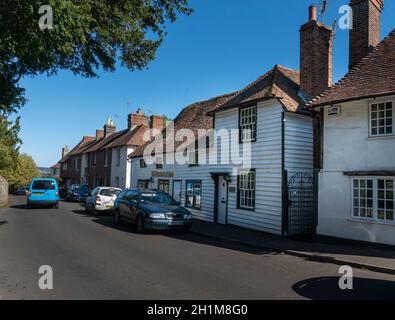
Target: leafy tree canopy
[87, 35]
[9, 146]
[24, 171]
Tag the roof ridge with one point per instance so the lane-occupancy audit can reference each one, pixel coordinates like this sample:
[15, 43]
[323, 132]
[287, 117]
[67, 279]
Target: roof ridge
[353, 70]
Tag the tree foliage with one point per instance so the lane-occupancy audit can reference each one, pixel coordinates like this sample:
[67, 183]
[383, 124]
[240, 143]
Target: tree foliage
[9, 146]
[87, 35]
[24, 171]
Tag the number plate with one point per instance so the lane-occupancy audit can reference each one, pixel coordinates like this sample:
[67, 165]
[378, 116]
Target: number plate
[177, 223]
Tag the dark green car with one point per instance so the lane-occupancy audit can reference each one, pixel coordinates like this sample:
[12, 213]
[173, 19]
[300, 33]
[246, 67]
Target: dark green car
[151, 210]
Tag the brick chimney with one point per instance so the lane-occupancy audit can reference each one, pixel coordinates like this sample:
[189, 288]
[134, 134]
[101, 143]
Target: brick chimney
[109, 128]
[365, 33]
[137, 118]
[99, 134]
[316, 47]
[65, 151]
[157, 122]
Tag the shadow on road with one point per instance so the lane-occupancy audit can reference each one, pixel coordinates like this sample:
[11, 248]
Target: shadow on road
[327, 288]
[3, 222]
[106, 220]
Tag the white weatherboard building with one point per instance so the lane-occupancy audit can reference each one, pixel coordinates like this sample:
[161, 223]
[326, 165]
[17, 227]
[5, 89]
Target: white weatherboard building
[281, 139]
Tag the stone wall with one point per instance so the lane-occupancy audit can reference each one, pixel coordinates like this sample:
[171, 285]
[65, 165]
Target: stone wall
[3, 191]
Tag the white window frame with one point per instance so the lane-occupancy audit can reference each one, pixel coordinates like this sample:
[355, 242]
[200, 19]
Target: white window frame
[375, 218]
[159, 163]
[371, 104]
[243, 126]
[240, 190]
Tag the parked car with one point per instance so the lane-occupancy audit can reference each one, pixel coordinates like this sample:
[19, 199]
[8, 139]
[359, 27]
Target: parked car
[101, 199]
[77, 193]
[151, 210]
[22, 191]
[43, 192]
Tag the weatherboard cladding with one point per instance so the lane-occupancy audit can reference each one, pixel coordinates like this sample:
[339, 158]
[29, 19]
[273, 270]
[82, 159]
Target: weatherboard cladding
[266, 160]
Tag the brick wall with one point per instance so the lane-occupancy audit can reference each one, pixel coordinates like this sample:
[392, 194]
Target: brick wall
[366, 28]
[316, 47]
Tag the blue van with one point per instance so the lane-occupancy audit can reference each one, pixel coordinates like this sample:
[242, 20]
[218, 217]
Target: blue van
[43, 192]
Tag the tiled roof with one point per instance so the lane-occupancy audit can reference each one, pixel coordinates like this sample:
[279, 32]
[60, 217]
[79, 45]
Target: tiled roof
[130, 138]
[192, 117]
[280, 82]
[56, 166]
[373, 76]
[103, 142]
[86, 141]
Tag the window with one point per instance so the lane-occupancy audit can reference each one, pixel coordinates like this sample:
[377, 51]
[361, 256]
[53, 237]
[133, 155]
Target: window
[78, 163]
[118, 157]
[373, 199]
[105, 157]
[363, 198]
[247, 125]
[64, 166]
[43, 185]
[117, 182]
[163, 185]
[381, 119]
[246, 190]
[94, 159]
[159, 163]
[193, 158]
[194, 194]
[143, 164]
[143, 184]
[132, 196]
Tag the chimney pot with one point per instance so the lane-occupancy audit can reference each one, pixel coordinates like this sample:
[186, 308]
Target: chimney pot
[313, 13]
[109, 128]
[137, 118]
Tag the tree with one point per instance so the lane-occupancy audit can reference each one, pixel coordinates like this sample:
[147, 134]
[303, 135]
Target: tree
[25, 170]
[86, 36]
[9, 146]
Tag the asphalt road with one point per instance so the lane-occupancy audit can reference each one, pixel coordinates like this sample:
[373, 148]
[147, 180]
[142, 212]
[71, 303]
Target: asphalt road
[93, 259]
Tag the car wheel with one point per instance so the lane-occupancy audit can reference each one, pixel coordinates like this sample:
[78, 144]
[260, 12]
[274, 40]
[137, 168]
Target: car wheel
[28, 206]
[56, 206]
[140, 224]
[117, 217]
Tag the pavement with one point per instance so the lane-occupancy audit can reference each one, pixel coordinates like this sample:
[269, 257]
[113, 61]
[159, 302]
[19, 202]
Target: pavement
[92, 258]
[372, 257]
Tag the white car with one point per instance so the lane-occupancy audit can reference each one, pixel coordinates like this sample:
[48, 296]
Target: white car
[101, 199]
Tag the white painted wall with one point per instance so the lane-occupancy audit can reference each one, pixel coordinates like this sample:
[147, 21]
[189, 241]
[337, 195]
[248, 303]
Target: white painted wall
[266, 159]
[123, 171]
[347, 147]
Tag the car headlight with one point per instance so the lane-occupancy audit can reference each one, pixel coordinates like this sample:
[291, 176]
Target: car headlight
[157, 216]
[188, 216]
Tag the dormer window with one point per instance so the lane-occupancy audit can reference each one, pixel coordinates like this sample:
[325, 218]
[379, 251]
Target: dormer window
[247, 127]
[381, 119]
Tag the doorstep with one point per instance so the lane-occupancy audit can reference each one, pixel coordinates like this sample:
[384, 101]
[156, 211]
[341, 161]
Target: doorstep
[355, 254]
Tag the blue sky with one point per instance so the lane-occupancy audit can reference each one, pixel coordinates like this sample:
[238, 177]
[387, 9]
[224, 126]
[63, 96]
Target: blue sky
[223, 46]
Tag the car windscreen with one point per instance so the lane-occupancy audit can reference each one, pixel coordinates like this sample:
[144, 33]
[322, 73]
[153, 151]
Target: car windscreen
[43, 185]
[157, 198]
[82, 188]
[109, 192]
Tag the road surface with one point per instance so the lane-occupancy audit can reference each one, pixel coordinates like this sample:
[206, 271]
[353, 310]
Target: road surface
[91, 258]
